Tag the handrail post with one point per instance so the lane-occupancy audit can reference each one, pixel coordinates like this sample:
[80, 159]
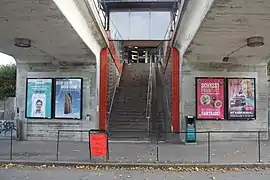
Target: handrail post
[149, 97]
[259, 146]
[208, 147]
[11, 146]
[57, 145]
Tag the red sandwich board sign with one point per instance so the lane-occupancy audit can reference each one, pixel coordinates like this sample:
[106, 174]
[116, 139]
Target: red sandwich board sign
[98, 144]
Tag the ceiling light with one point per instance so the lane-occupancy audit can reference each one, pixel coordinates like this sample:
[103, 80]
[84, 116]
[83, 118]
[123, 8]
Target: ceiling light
[22, 42]
[136, 47]
[255, 41]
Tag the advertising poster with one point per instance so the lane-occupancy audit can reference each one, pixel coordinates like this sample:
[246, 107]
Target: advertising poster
[68, 102]
[210, 98]
[241, 97]
[39, 98]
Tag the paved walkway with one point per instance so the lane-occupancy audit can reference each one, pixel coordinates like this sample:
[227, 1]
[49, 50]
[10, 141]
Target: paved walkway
[221, 152]
[75, 174]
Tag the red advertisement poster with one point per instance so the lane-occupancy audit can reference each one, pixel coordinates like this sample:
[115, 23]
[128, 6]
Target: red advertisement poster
[210, 98]
[98, 144]
[241, 97]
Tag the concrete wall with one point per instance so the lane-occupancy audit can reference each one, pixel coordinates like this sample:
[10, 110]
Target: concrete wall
[7, 118]
[7, 109]
[7, 129]
[268, 85]
[46, 129]
[190, 71]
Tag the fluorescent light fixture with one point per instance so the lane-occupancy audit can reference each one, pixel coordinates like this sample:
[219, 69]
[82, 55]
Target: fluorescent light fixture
[22, 42]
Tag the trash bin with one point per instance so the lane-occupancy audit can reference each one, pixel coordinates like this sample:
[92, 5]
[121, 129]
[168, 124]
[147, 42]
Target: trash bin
[190, 129]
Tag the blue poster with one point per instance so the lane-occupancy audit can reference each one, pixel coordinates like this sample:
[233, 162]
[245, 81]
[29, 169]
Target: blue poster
[68, 94]
[39, 98]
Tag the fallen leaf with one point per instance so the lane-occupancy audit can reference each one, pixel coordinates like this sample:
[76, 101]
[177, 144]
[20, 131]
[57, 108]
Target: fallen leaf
[99, 174]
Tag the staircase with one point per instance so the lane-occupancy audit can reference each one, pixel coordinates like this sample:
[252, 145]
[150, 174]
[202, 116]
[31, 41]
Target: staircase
[127, 119]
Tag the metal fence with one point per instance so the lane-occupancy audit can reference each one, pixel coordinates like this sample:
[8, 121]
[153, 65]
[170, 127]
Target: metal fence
[246, 147]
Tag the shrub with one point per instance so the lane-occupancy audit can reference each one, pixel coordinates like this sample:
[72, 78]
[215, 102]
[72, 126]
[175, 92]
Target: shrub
[7, 81]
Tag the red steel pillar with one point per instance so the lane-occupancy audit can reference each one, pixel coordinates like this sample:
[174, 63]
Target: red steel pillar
[103, 88]
[175, 90]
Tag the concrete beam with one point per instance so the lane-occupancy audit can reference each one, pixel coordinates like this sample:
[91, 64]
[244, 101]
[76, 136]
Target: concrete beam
[85, 27]
[194, 14]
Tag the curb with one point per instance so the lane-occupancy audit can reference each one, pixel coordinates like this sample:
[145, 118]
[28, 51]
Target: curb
[137, 165]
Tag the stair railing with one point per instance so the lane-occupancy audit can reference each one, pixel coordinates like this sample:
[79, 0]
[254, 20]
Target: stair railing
[149, 97]
[112, 100]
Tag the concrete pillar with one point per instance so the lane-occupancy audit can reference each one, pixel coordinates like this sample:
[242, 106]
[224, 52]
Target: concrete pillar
[146, 56]
[20, 100]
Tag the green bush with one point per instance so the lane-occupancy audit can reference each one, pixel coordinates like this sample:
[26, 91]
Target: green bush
[7, 81]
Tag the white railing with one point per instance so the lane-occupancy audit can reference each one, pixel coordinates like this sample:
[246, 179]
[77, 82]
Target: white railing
[149, 97]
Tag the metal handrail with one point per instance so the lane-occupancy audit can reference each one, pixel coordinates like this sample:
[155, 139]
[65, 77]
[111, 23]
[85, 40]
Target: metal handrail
[112, 100]
[103, 17]
[149, 96]
[166, 95]
[115, 33]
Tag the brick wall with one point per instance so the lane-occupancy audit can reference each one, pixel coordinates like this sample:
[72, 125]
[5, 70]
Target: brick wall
[168, 84]
[113, 81]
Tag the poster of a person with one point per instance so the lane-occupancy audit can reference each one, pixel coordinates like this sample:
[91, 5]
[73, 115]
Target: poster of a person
[38, 105]
[247, 86]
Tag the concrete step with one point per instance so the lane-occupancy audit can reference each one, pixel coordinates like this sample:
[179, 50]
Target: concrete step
[129, 126]
[127, 120]
[131, 112]
[138, 126]
[132, 132]
[127, 116]
[134, 98]
[115, 118]
[129, 136]
[130, 107]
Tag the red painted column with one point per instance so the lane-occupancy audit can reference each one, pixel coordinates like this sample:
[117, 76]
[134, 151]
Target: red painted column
[103, 89]
[175, 90]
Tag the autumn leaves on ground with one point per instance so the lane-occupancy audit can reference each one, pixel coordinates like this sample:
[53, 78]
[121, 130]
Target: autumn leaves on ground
[53, 172]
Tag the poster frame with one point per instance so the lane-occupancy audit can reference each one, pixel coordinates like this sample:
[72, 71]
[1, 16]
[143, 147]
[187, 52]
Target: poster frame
[224, 99]
[52, 99]
[227, 101]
